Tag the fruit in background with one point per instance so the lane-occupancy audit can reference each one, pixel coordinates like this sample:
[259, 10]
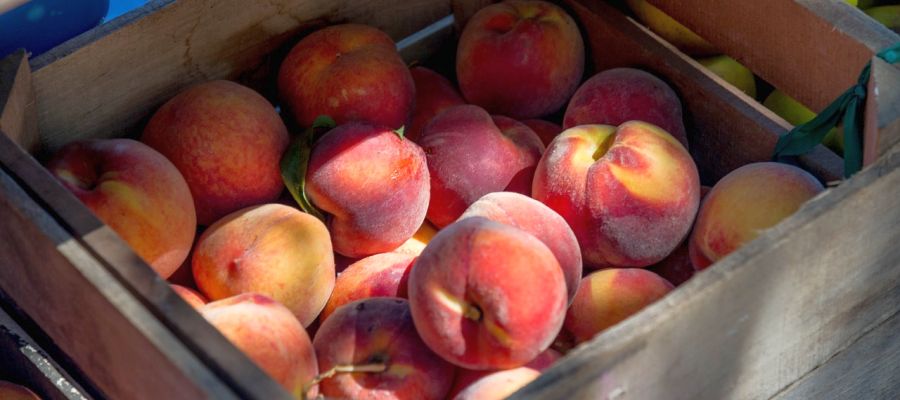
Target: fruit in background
[532, 216]
[889, 16]
[744, 203]
[420, 239]
[732, 72]
[470, 154]
[189, 295]
[375, 211]
[466, 377]
[545, 130]
[11, 391]
[498, 385]
[137, 192]
[797, 114]
[630, 193]
[486, 295]
[377, 337]
[434, 94]
[671, 30]
[210, 123]
[349, 72]
[677, 267]
[381, 275]
[268, 334]
[618, 95]
[609, 296]
[521, 59]
[270, 249]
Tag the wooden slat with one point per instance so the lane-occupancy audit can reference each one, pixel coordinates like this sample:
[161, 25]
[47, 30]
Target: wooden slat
[18, 114]
[882, 118]
[762, 317]
[813, 50]
[123, 75]
[726, 128]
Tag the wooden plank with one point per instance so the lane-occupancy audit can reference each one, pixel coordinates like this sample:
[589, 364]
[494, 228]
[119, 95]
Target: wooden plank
[726, 129]
[813, 50]
[18, 114]
[882, 119]
[123, 75]
[121, 347]
[865, 370]
[762, 317]
[24, 362]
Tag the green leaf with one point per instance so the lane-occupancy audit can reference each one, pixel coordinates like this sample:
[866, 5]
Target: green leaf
[400, 131]
[295, 163]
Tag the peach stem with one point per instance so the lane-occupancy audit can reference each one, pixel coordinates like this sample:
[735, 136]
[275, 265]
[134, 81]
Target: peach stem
[472, 312]
[343, 369]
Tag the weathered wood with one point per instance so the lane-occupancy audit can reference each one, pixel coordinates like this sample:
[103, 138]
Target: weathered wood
[18, 115]
[882, 119]
[762, 317]
[726, 129]
[124, 74]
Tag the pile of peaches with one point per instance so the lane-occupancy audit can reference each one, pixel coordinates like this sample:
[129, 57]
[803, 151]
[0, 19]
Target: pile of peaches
[439, 242]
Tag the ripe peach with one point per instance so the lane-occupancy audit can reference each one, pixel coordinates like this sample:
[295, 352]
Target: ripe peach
[227, 141]
[485, 295]
[270, 336]
[609, 296]
[375, 211]
[545, 130]
[12, 391]
[189, 295]
[498, 385]
[677, 267]
[744, 203]
[466, 377]
[630, 193]
[434, 94]
[420, 239]
[381, 275]
[471, 154]
[534, 217]
[349, 72]
[137, 192]
[377, 337]
[270, 249]
[618, 95]
[523, 59]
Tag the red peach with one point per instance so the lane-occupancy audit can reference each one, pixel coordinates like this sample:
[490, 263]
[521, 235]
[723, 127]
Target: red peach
[545, 130]
[434, 94]
[380, 275]
[466, 377]
[677, 267]
[11, 391]
[189, 295]
[498, 385]
[420, 239]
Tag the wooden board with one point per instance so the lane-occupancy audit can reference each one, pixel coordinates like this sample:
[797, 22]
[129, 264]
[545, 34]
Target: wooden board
[761, 318]
[17, 109]
[882, 119]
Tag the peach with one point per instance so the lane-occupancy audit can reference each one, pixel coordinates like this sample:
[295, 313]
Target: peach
[375, 211]
[189, 295]
[227, 141]
[609, 296]
[270, 249]
[677, 267]
[137, 192]
[618, 95]
[630, 193]
[466, 377]
[744, 203]
[349, 72]
[545, 130]
[420, 239]
[12, 391]
[381, 275]
[498, 385]
[434, 94]
[486, 295]
[534, 217]
[375, 352]
[471, 154]
[522, 59]
[270, 336]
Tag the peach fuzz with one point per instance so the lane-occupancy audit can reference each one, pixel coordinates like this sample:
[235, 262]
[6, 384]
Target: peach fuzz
[609, 296]
[12, 391]
[522, 59]
[349, 72]
[375, 211]
[190, 296]
[466, 377]
[471, 154]
[270, 249]
[485, 295]
[268, 334]
[434, 94]
[226, 140]
[534, 217]
[618, 95]
[380, 275]
[545, 130]
[745, 203]
[376, 338]
[630, 193]
[137, 192]
[498, 385]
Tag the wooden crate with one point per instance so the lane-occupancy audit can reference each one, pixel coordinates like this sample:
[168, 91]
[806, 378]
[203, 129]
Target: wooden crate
[806, 310]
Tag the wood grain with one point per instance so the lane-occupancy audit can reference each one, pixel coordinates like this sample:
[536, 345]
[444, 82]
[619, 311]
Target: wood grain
[761, 318]
[18, 113]
[882, 119]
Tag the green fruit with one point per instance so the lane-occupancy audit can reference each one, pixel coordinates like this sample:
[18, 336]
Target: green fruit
[732, 72]
[888, 16]
[671, 30]
[796, 114]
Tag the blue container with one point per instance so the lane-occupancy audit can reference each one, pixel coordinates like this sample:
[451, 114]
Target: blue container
[39, 25]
